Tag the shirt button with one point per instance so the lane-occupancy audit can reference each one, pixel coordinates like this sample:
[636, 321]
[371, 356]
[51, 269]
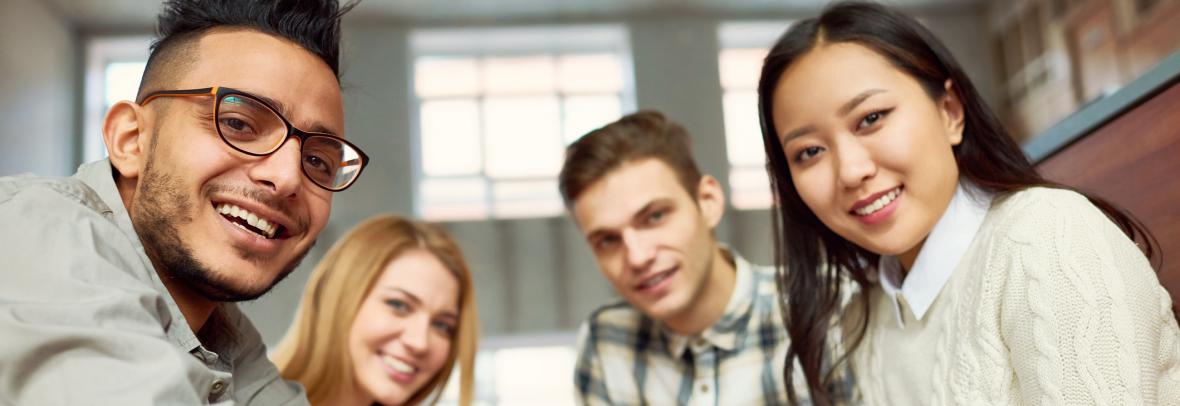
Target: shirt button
[218, 387]
[704, 388]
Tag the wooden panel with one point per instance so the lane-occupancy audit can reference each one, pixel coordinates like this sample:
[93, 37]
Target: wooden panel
[1134, 161]
[1093, 38]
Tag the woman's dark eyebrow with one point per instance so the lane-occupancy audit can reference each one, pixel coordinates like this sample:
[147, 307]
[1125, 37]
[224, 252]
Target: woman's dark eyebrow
[856, 101]
[844, 110]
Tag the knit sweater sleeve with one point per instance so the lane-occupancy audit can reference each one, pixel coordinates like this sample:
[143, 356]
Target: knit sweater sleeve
[1083, 314]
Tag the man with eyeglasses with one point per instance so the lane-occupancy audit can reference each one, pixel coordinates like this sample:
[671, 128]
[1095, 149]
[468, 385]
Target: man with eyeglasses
[117, 284]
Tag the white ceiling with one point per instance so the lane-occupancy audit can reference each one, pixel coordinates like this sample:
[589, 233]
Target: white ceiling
[138, 14]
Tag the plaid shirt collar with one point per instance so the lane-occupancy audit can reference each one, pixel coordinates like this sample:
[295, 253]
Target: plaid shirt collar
[723, 334]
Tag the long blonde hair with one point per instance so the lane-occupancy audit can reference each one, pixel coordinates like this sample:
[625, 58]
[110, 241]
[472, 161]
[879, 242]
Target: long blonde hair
[315, 350]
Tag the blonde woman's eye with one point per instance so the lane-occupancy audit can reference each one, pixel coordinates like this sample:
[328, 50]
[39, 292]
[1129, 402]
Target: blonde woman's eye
[444, 327]
[397, 305]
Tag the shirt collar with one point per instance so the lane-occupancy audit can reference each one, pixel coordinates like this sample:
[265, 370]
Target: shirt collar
[724, 333]
[99, 176]
[939, 256]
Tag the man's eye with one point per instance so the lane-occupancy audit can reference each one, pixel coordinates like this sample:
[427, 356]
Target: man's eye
[606, 243]
[236, 125]
[656, 216]
[316, 163]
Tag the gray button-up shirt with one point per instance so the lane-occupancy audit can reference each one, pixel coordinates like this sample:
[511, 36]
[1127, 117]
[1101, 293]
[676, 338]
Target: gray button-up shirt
[84, 318]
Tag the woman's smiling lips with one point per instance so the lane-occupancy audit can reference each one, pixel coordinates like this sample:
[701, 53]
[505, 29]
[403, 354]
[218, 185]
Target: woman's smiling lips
[878, 206]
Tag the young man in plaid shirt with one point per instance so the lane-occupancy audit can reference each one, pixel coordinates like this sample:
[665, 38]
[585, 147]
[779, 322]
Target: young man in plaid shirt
[699, 324]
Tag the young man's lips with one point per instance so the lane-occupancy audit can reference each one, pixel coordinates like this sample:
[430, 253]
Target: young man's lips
[286, 226]
[655, 279]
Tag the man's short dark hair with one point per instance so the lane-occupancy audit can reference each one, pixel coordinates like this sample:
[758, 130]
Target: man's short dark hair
[637, 136]
[312, 24]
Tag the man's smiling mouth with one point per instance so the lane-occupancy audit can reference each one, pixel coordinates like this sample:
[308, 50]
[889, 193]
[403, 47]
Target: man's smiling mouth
[249, 221]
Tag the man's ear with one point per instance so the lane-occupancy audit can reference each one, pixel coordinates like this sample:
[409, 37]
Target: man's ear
[711, 200]
[951, 109]
[124, 131]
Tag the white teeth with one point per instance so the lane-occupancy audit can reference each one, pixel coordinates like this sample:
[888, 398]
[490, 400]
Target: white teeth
[654, 281]
[252, 219]
[398, 365]
[879, 203]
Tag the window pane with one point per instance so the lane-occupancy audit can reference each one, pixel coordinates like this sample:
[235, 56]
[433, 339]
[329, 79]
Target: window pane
[520, 75]
[453, 199]
[446, 77]
[450, 138]
[526, 199]
[750, 188]
[522, 137]
[535, 376]
[601, 73]
[741, 67]
[586, 113]
[743, 136]
[122, 81]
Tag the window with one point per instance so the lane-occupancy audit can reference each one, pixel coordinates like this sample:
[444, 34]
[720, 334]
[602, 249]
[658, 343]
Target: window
[114, 66]
[496, 108]
[743, 46]
[533, 370]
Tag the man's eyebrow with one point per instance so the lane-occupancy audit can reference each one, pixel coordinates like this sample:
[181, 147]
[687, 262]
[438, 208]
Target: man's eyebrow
[316, 127]
[647, 208]
[856, 101]
[597, 232]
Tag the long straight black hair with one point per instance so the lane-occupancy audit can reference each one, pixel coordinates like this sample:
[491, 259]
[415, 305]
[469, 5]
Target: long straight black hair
[811, 259]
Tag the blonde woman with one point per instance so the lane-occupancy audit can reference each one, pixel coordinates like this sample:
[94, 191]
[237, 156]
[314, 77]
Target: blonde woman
[384, 319]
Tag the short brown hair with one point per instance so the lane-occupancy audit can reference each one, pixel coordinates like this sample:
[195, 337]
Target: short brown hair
[636, 136]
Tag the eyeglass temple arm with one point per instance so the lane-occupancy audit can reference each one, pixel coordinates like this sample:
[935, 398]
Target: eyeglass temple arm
[176, 93]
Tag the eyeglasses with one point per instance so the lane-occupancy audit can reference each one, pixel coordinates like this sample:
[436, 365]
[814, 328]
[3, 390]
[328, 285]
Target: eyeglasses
[251, 126]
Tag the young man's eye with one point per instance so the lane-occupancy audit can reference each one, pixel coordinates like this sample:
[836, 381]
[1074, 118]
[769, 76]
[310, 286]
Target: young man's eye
[606, 243]
[656, 216]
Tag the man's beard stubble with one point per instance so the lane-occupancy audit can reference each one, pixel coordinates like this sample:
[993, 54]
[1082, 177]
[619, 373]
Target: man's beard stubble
[160, 207]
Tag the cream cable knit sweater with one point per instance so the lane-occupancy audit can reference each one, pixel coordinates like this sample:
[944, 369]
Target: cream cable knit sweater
[1052, 304]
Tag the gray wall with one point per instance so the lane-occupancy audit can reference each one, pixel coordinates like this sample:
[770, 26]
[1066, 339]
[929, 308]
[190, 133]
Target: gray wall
[533, 276]
[38, 75]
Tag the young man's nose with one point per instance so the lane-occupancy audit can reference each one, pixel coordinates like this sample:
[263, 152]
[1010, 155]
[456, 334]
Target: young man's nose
[280, 172]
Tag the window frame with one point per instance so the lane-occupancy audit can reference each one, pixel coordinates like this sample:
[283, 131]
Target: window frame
[482, 44]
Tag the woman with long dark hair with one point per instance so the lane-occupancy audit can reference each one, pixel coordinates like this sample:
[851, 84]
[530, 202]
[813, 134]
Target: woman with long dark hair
[976, 280]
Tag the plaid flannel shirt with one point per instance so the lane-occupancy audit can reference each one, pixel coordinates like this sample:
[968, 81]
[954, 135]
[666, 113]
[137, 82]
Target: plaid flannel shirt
[626, 358]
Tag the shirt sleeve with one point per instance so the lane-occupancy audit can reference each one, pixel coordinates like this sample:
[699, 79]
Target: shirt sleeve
[256, 378]
[588, 376]
[79, 325]
[1084, 315]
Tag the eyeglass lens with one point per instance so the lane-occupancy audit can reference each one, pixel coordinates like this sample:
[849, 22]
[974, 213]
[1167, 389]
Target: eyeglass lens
[249, 125]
